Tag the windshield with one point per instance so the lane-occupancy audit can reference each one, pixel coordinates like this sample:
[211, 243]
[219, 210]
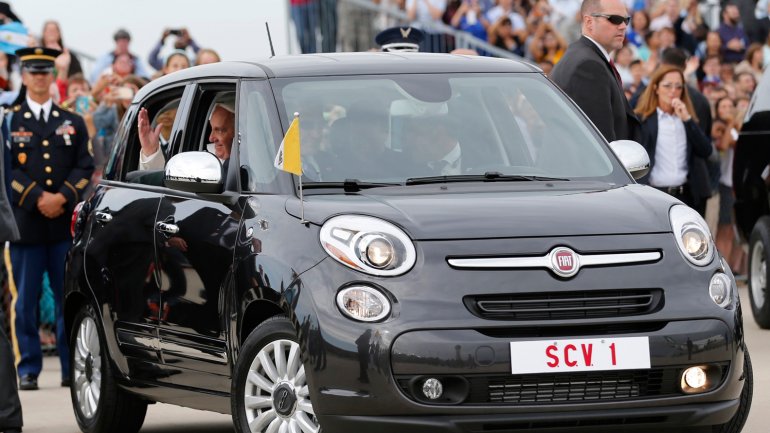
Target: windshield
[432, 127]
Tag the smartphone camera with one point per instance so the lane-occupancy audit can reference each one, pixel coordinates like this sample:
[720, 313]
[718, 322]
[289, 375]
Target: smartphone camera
[82, 104]
[124, 92]
[175, 32]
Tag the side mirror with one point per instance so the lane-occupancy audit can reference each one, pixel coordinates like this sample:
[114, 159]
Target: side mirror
[197, 172]
[633, 156]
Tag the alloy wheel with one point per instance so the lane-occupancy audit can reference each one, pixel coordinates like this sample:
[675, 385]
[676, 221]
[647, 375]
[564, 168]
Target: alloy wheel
[87, 379]
[276, 392]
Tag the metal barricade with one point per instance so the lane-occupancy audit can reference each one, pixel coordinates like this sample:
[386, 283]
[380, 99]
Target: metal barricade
[354, 23]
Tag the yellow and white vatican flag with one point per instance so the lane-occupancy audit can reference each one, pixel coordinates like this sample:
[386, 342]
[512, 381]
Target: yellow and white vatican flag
[288, 157]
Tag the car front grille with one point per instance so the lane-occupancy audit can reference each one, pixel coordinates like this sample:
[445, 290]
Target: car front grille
[566, 305]
[579, 387]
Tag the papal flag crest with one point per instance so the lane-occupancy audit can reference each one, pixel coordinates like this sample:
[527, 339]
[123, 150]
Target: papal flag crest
[288, 158]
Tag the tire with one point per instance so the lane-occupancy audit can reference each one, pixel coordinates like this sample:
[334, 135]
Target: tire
[759, 258]
[100, 406]
[269, 395]
[735, 425]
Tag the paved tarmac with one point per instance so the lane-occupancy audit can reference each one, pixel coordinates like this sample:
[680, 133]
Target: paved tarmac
[49, 409]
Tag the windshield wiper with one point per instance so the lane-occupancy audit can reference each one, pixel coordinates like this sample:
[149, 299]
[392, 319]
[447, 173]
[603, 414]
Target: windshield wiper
[490, 176]
[349, 185]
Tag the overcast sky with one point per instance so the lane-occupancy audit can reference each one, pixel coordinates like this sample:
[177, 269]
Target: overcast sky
[235, 28]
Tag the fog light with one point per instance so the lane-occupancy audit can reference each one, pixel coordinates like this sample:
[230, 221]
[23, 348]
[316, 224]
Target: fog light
[363, 303]
[720, 289]
[432, 388]
[695, 377]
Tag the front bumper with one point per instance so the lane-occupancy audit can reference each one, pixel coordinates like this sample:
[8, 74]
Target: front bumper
[659, 419]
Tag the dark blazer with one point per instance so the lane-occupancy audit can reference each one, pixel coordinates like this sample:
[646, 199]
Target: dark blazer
[53, 157]
[586, 76]
[8, 230]
[698, 149]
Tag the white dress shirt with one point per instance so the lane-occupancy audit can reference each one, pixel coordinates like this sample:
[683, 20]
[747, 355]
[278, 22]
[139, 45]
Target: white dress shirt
[451, 163]
[601, 48]
[35, 108]
[670, 167]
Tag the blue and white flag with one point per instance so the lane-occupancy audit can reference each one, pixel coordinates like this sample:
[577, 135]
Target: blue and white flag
[13, 36]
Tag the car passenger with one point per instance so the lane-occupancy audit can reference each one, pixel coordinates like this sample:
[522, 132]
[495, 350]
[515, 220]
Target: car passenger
[222, 122]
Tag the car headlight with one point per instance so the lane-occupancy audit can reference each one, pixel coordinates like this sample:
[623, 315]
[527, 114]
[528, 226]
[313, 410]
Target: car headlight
[721, 290]
[692, 235]
[368, 244]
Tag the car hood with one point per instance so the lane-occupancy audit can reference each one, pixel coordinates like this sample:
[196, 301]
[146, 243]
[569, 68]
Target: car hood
[474, 211]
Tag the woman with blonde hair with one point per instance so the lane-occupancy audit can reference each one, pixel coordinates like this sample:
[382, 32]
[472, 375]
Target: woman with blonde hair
[673, 139]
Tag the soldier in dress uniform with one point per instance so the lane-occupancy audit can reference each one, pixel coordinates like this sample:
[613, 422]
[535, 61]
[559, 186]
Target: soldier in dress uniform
[50, 169]
[404, 39]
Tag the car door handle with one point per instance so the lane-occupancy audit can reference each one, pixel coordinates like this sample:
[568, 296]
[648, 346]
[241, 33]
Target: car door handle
[167, 228]
[103, 217]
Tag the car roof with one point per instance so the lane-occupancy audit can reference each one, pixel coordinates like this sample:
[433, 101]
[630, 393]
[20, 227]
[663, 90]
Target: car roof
[366, 63]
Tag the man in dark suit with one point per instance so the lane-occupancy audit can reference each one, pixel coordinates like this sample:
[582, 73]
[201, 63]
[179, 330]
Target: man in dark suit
[587, 74]
[51, 169]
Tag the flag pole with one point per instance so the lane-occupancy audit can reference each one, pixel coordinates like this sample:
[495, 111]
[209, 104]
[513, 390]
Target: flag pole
[301, 200]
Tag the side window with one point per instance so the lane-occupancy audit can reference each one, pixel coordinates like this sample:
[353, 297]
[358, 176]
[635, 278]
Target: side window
[211, 124]
[258, 139]
[162, 109]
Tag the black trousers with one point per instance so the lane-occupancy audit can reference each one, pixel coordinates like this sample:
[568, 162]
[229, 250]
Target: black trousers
[685, 194]
[10, 406]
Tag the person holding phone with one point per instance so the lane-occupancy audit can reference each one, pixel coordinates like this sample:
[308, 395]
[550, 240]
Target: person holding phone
[122, 40]
[183, 42]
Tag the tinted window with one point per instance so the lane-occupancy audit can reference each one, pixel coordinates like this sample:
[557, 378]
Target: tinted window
[390, 128]
[258, 142]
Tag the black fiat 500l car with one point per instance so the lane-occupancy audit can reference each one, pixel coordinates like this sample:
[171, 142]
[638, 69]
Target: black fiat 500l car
[469, 256]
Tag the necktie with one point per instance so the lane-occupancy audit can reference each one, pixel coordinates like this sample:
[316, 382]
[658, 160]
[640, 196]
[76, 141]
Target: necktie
[41, 117]
[617, 74]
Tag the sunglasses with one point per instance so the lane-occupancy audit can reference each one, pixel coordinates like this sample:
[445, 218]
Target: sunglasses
[614, 19]
[670, 86]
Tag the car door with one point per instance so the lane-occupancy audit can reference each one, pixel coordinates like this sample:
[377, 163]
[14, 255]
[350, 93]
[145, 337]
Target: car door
[119, 256]
[194, 237]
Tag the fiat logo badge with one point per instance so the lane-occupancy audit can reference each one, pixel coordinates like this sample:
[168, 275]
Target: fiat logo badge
[564, 262]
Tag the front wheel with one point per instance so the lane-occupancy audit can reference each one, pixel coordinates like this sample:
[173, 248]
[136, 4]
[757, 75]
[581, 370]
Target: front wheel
[735, 425]
[269, 388]
[759, 257]
[100, 406]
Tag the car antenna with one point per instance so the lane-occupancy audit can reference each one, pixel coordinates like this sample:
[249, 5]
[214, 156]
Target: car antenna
[270, 39]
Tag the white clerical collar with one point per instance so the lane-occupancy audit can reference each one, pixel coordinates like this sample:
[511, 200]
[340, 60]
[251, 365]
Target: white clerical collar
[34, 107]
[453, 156]
[606, 54]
